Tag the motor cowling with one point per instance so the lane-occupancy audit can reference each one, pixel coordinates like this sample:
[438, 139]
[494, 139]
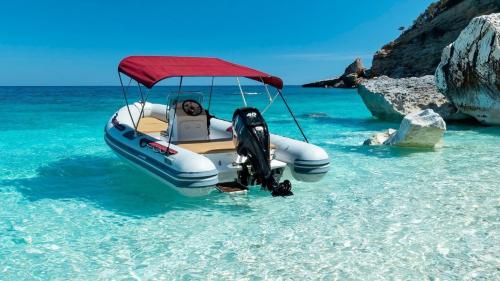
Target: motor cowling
[251, 139]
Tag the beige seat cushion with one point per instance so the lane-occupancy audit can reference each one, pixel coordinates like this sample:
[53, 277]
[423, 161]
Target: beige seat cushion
[151, 125]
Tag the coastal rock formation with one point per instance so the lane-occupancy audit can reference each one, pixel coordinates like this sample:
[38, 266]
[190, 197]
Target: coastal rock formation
[469, 72]
[420, 129]
[417, 51]
[392, 99]
[353, 75]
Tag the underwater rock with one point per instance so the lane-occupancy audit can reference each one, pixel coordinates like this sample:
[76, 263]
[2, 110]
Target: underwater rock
[419, 129]
[314, 115]
[469, 72]
[379, 138]
[392, 99]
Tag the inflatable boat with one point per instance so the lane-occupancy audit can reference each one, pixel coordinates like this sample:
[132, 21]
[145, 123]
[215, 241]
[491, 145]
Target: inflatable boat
[193, 151]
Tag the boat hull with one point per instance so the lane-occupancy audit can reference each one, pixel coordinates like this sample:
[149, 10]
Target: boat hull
[197, 184]
[194, 174]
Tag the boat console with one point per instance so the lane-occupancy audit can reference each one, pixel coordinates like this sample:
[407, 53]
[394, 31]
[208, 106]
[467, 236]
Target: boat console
[187, 118]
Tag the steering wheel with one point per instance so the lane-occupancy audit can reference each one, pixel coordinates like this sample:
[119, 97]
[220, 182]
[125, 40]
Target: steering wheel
[192, 107]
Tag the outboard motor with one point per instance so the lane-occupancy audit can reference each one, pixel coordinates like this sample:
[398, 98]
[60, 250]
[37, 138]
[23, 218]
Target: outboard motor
[251, 139]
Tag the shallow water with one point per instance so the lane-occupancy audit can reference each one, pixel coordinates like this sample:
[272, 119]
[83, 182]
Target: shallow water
[70, 209]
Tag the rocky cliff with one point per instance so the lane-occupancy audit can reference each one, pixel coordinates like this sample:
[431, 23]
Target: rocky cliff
[417, 51]
[469, 72]
[353, 75]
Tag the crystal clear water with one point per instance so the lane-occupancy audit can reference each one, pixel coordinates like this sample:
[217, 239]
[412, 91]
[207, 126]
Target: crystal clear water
[70, 209]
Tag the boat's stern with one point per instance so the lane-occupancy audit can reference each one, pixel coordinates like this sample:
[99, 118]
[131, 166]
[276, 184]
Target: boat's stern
[310, 170]
[307, 162]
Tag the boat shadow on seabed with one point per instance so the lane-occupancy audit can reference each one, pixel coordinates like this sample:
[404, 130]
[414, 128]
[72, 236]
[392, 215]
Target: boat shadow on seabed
[114, 186]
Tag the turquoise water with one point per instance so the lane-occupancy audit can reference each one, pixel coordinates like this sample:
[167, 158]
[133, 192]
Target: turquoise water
[70, 209]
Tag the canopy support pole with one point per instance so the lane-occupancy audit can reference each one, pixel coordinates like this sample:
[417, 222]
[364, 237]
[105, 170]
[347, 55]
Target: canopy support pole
[140, 92]
[267, 90]
[125, 96]
[293, 116]
[143, 103]
[171, 126]
[241, 91]
[270, 103]
[210, 96]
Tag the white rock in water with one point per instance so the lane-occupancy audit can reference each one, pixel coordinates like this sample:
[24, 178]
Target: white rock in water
[424, 128]
[420, 129]
[469, 72]
[392, 99]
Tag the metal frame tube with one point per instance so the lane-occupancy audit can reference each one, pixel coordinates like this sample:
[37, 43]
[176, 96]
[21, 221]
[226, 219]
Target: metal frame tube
[143, 104]
[293, 116]
[241, 91]
[270, 103]
[170, 126]
[210, 95]
[267, 90]
[126, 99]
[140, 91]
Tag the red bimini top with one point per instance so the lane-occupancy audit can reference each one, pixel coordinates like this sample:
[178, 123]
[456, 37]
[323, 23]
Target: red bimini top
[149, 70]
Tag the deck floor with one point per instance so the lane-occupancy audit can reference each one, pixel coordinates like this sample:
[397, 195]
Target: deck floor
[208, 146]
[153, 127]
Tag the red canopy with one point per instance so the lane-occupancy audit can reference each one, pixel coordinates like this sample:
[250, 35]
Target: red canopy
[149, 70]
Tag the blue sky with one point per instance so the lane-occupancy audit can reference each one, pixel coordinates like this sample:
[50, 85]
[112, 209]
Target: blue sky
[81, 42]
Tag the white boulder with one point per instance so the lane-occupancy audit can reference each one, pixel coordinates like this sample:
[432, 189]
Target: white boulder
[392, 99]
[419, 129]
[469, 72]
